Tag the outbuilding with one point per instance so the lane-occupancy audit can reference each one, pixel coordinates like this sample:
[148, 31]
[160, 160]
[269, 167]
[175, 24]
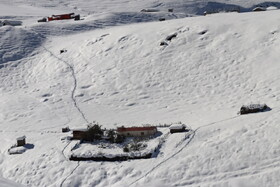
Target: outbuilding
[137, 131]
[253, 108]
[79, 134]
[177, 128]
[65, 129]
[21, 141]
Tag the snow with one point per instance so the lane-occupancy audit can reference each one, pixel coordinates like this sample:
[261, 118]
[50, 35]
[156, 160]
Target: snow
[177, 126]
[7, 183]
[21, 138]
[115, 72]
[79, 129]
[100, 149]
[17, 150]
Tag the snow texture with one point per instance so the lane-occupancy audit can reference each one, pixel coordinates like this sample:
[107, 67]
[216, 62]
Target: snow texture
[114, 71]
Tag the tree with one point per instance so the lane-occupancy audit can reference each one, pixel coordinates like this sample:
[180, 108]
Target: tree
[111, 135]
[94, 132]
[119, 138]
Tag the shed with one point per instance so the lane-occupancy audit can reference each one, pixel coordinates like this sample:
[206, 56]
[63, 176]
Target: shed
[79, 134]
[61, 17]
[177, 128]
[65, 129]
[137, 131]
[21, 141]
[253, 108]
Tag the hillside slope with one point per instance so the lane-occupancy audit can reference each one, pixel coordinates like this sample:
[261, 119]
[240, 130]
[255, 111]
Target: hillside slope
[122, 76]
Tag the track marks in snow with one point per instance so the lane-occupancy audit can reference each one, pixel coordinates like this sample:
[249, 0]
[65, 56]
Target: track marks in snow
[189, 137]
[75, 104]
[223, 176]
[78, 164]
[164, 161]
[74, 86]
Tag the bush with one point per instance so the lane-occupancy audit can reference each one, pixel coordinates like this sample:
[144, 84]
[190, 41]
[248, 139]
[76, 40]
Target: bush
[94, 133]
[125, 149]
[119, 138]
[134, 146]
[113, 137]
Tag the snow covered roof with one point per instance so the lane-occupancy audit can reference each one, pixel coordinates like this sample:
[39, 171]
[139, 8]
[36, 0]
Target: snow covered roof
[21, 138]
[83, 127]
[79, 129]
[254, 106]
[177, 126]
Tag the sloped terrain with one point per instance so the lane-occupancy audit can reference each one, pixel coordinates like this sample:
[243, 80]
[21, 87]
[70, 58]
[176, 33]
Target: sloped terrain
[122, 76]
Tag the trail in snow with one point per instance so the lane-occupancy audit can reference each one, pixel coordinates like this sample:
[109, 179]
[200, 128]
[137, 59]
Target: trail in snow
[70, 174]
[75, 104]
[75, 84]
[188, 142]
[64, 149]
[259, 168]
[158, 165]
[181, 149]
[78, 164]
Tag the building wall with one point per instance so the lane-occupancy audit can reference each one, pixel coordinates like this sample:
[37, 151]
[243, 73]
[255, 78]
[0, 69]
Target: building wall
[138, 133]
[79, 135]
[21, 142]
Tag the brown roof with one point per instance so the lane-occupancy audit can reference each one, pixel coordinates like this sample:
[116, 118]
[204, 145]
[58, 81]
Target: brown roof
[125, 129]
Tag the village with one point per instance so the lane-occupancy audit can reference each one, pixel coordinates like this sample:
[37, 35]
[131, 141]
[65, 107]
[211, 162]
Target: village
[147, 93]
[92, 142]
[124, 143]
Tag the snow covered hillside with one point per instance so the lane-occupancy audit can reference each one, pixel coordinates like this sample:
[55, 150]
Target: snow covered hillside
[114, 71]
[7, 183]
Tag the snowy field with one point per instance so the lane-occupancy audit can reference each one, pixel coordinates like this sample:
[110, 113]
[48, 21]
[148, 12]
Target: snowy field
[115, 72]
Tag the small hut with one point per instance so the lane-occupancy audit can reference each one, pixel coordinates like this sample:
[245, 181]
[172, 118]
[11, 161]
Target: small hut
[79, 134]
[65, 129]
[170, 10]
[137, 131]
[253, 108]
[177, 128]
[21, 141]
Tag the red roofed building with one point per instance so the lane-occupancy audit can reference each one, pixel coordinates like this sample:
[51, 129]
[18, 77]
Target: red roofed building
[61, 17]
[137, 131]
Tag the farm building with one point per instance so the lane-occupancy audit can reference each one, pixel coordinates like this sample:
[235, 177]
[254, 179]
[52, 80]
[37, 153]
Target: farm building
[79, 134]
[62, 17]
[253, 108]
[21, 141]
[137, 131]
[177, 128]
